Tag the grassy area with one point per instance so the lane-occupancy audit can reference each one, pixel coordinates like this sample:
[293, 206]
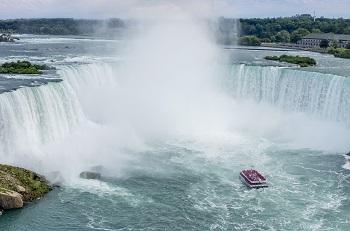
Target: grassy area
[299, 60]
[22, 67]
[13, 177]
[339, 52]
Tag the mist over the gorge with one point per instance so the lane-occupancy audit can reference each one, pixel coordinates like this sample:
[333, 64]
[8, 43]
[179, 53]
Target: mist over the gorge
[170, 84]
[167, 109]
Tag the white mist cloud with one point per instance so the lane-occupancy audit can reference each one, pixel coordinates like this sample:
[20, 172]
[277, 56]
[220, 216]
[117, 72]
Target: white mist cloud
[135, 8]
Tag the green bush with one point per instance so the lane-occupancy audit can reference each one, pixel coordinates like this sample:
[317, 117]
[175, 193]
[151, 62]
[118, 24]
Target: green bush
[331, 50]
[299, 60]
[22, 67]
[249, 41]
[298, 34]
[324, 43]
[283, 36]
[339, 52]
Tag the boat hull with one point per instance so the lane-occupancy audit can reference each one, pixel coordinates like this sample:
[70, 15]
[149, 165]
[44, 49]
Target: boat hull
[255, 186]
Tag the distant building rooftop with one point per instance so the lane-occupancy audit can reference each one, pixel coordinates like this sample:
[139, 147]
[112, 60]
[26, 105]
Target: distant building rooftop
[328, 36]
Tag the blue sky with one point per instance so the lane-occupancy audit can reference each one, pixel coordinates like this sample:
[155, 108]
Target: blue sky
[136, 8]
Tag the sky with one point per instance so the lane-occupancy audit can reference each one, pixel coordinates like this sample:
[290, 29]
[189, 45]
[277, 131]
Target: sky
[147, 8]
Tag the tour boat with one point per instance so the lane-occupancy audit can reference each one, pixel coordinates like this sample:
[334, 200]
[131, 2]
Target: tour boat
[253, 179]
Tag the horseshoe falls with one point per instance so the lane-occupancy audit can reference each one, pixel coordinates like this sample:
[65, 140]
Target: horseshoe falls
[323, 95]
[170, 134]
[31, 117]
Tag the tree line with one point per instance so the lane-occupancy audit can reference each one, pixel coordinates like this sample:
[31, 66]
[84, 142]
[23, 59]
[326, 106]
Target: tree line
[283, 29]
[252, 31]
[58, 26]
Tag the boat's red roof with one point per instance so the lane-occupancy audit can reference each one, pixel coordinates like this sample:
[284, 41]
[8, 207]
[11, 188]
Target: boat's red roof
[253, 176]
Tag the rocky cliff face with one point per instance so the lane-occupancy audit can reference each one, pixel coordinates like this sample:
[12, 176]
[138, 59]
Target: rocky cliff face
[18, 186]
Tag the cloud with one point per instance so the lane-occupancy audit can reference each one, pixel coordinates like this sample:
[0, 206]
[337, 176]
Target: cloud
[100, 8]
[269, 8]
[137, 8]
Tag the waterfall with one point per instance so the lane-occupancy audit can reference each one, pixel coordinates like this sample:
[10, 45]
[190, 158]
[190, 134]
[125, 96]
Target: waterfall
[31, 117]
[324, 95]
[90, 75]
[40, 115]
[34, 117]
[37, 124]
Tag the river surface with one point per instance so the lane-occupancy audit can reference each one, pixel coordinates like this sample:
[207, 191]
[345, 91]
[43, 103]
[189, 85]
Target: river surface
[170, 151]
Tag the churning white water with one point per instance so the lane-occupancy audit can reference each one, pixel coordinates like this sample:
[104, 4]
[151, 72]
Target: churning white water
[167, 87]
[96, 114]
[172, 127]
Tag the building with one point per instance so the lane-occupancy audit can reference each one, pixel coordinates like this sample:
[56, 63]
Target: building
[314, 39]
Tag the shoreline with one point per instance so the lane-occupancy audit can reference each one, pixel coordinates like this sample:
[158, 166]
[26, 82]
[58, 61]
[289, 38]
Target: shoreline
[297, 47]
[19, 186]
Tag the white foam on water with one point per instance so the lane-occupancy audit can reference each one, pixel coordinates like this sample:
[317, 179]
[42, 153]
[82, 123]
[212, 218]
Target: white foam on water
[347, 162]
[167, 87]
[167, 90]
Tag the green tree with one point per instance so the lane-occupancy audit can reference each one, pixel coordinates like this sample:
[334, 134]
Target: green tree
[269, 28]
[298, 34]
[318, 31]
[259, 30]
[334, 44]
[347, 30]
[324, 43]
[283, 36]
[249, 41]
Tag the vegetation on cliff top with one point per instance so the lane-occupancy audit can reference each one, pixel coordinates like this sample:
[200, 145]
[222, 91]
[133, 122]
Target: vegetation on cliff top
[22, 67]
[299, 60]
[339, 52]
[59, 26]
[292, 29]
[15, 179]
[280, 29]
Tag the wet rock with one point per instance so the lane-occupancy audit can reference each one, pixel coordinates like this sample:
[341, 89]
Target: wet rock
[7, 38]
[90, 175]
[348, 154]
[16, 181]
[20, 189]
[10, 199]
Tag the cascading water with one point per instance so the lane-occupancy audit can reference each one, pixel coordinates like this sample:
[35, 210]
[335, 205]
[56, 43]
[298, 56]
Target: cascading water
[32, 117]
[109, 114]
[323, 95]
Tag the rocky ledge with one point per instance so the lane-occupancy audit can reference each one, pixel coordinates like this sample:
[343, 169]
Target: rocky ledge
[19, 186]
[7, 38]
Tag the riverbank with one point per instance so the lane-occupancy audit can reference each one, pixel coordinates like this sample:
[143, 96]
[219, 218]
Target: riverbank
[19, 186]
[337, 52]
[293, 46]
